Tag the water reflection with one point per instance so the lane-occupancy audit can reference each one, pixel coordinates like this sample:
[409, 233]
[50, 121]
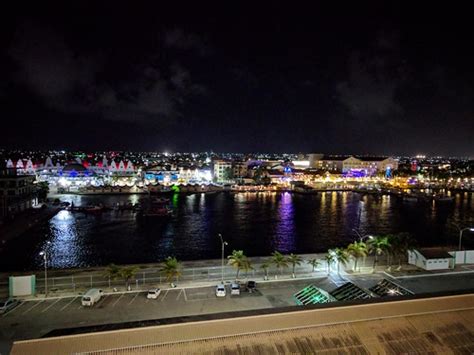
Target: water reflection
[257, 223]
[285, 231]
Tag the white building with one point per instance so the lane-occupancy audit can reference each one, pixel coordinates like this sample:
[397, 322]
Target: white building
[350, 163]
[220, 167]
[431, 259]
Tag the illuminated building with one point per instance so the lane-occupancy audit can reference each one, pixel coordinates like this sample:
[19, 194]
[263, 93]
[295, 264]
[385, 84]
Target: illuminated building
[348, 163]
[220, 167]
[17, 192]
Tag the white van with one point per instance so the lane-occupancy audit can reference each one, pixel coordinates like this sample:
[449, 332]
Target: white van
[91, 297]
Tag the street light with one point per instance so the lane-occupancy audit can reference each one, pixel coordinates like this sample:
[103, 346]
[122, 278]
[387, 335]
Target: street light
[461, 231]
[223, 243]
[44, 254]
[362, 237]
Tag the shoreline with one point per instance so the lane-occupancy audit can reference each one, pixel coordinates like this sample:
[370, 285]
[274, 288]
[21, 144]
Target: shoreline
[25, 221]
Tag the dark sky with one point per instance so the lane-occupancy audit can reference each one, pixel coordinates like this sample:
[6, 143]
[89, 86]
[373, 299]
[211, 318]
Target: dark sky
[232, 76]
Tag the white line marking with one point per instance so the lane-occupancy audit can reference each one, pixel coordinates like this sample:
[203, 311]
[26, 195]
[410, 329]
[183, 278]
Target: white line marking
[62, 309]
[185, 297]
[29, 309]
[102, 300]
[166, 293]
[118, 299]
[133, 299]
[179, 294]
[51, 305]
[14, 309]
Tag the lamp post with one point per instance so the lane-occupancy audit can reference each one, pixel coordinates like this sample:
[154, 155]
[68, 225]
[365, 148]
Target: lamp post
[223, 243]
[362, 237]
[461, 231]
[44, 254]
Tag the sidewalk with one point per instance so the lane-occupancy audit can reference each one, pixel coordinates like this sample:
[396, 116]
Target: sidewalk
[205, 273]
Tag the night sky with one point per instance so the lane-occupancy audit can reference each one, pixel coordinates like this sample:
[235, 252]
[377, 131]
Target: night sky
[235, 77]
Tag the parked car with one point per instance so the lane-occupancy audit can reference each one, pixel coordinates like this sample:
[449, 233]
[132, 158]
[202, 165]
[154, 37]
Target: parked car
[153, 293]
[220, 290]
[235, 289]
[91, 297]
[251, 286]
[8, 304]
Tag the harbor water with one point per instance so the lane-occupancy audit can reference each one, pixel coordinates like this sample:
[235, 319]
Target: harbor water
[257, 223]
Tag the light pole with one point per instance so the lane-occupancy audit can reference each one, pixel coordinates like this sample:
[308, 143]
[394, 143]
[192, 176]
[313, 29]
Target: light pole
[44, 254]
[461, 231]
[362, 237]
[223, 243]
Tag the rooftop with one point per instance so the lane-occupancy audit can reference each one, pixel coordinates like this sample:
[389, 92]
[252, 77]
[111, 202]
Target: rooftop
[437, 325]
[434, 253]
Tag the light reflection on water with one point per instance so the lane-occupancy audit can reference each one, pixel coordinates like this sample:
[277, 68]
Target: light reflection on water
[257, 223]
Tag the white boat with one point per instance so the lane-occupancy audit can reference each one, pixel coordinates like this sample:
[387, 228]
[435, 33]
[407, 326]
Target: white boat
[444, 198]
[410, 199]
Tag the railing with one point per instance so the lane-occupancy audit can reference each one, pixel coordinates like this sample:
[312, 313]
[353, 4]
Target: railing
[152, 277]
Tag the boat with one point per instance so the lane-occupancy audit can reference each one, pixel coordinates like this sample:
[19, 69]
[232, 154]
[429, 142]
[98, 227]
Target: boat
[156, 212]
[410, 199]
[156, 208]
[444, 198]
[306, 190]
[93, 209]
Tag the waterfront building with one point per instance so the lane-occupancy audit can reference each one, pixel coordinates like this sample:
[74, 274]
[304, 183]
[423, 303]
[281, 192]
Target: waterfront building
[240, 169]
[431, 259]
[17, 192]
[220, 169]
[350, 164]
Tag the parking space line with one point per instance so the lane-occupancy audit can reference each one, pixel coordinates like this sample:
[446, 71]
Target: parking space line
[29, 309]
[102, 300]
[118, 299]
[185, 297]
[51, 305]
[179, 294]
[14, 309]
[133, 299]
[166, 294]
[63, 308]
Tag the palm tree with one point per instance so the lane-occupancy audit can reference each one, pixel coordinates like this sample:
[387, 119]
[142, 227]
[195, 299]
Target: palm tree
[171, 267]
[238, 260]
[294, 260]
[378, 245]
[357, 250]
[265, 266]
[128, 273]
[280, 261]
[314, 263]
[341, 256]
[112, 272]
[329, 258]
[403, 242]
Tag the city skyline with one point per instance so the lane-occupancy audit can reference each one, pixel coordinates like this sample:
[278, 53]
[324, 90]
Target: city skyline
[370, 79]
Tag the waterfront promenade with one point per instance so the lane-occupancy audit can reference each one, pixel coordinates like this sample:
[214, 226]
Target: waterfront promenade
[73, 282]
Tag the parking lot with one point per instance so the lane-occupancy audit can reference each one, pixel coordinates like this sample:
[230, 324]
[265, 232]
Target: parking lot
[32, 319]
